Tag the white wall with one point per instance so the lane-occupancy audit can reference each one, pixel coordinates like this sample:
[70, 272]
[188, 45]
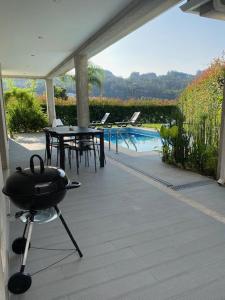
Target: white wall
[3, 240]
[3, 218]
[3, 132]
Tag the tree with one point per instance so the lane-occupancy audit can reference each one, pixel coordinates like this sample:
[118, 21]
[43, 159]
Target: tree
[60, 93]
[95, 78]
[32, 85]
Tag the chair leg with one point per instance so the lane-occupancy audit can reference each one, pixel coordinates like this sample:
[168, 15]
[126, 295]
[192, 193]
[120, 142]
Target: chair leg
[95, 160]
[85, 158]
[88, 157]
[69, 157]
[77, 161]
[57, 159]
[46, 156]
[47, 159]
[98, 151]
[51, 148]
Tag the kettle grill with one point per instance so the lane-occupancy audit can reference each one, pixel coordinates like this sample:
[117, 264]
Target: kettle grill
[37, 191]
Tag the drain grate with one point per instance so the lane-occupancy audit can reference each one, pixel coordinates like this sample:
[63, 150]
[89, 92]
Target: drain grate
[157, 179]
[164, 182]
[191, 185]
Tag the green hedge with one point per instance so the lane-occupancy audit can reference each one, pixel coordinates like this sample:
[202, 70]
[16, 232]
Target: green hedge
[149, 113]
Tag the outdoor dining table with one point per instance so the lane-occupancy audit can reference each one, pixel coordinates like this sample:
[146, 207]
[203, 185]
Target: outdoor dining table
[72, 131]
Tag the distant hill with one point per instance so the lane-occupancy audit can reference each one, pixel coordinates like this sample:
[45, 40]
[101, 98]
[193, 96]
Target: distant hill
[137, 85]
[147, 85]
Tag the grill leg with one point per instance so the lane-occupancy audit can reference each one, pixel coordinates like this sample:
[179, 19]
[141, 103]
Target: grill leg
[29, 232]
[19, 244]
[19, 282]
[25, 228]
[68, 231]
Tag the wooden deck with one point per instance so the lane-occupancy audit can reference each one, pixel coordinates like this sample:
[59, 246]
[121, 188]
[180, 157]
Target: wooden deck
[140, 240]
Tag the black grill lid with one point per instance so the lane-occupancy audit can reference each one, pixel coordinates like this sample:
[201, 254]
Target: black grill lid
[38, 180]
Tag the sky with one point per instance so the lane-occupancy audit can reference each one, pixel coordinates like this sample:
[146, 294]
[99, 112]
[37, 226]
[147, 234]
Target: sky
[173, 41]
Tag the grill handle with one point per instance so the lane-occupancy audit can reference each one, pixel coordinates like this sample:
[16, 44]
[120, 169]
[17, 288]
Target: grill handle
[73, 185]
[42, 167]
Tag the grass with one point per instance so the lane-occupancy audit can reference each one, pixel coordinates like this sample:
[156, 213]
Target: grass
[152, 125]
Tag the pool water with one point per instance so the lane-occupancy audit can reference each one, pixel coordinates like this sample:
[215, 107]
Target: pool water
[134, 139]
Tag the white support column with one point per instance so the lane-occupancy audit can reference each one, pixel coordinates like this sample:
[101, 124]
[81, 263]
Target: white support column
[4, 235]
[221, 158]
[4, 164]
[4, 147]
[50, 100]
[81, 67]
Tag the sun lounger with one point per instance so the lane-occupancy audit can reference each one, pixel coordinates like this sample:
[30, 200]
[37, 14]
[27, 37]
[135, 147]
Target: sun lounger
[132, 121]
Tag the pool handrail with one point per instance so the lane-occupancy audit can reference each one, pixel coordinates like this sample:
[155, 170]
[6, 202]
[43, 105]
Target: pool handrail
[132, 142]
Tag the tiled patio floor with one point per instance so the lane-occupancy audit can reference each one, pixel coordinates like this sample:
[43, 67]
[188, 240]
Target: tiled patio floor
[140, 239]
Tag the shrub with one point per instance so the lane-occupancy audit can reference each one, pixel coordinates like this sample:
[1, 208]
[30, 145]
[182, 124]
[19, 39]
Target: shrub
[152, 111]
[202, 99]
[168, 137]
[24, 113]
[196, 145]
[175, 143]
[201, 104]
[60, 93]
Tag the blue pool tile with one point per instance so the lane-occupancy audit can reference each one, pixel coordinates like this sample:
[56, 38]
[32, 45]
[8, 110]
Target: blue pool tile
[135, 139]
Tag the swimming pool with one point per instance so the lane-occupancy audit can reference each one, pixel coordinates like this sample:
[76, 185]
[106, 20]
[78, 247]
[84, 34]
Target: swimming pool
[134, 139]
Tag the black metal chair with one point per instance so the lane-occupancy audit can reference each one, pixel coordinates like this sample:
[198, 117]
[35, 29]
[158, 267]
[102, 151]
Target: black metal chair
[83, 145]
[54, 143]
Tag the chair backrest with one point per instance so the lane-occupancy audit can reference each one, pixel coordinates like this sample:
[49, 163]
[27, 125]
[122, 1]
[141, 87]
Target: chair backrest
[57, 122]
[135, 116]
[84, 139]
[105, 118]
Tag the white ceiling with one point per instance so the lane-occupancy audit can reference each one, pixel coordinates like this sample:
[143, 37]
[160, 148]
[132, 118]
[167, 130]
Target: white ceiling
[37, 35]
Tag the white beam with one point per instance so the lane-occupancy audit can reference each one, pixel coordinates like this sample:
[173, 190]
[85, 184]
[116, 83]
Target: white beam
[50, 100]
[81, 66]
[214, 9]
[221, 156]
[22, 77]
[137, 13]
[192, 5]
[4, 147]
